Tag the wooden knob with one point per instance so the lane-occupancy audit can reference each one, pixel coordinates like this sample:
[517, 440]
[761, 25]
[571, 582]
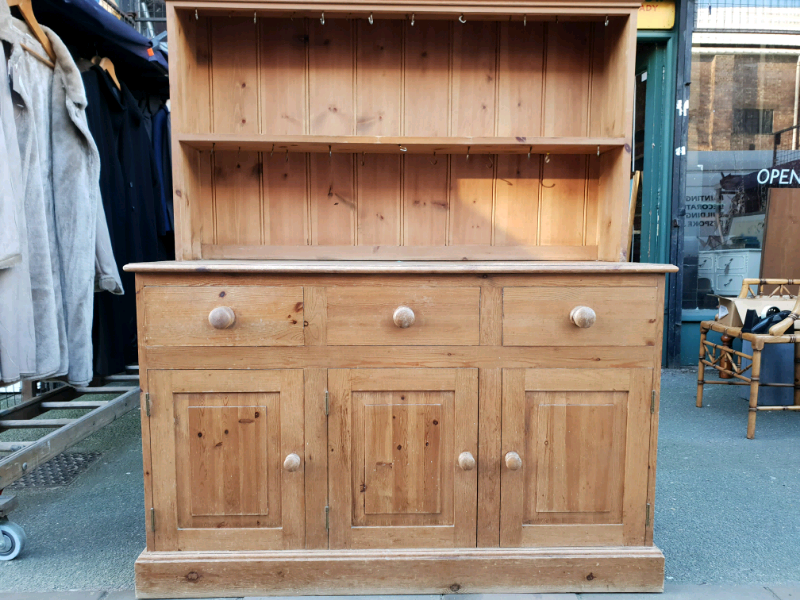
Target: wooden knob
[513, 461]
[292, 463]
[403, 317]
[466, 461]
[582, 316]
[221, 317]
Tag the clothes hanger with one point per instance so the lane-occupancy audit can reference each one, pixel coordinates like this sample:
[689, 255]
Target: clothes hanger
[26, 8]
[108, 66]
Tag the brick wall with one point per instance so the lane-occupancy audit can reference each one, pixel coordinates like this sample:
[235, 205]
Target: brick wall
[723, 83]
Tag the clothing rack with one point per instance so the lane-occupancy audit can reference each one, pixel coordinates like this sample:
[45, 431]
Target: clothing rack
[88, 29]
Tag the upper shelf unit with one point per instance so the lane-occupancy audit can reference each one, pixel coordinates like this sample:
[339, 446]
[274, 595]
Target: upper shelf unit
[246, 75]
[298, 135]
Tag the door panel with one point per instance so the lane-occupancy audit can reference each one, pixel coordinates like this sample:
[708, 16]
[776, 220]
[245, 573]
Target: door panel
[219, 439]
[395, 437]
[582, 439]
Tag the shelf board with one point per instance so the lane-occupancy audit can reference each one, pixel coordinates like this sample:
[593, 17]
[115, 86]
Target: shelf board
[401, 144]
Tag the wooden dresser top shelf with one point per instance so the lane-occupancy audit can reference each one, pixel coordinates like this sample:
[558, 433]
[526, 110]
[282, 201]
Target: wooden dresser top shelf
[388, 267]
[402, 144]
[528, 10]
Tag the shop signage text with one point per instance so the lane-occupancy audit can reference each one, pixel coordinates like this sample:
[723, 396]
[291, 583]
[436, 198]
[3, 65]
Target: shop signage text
[778, 177]
[656, 14]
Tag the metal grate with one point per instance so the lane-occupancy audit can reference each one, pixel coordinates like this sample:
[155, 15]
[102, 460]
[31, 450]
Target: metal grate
[747, 16]
[11, 395]
[786, 146]
[150, 16]
[59, 471]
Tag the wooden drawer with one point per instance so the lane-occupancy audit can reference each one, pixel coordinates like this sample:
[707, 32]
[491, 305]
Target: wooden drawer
[705, 262]
[264, 316]
[540, 316]
[363, 316]
[732, 263]
[728, 285]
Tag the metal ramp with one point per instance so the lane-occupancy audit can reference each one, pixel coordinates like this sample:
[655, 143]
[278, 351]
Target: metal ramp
[17, 458]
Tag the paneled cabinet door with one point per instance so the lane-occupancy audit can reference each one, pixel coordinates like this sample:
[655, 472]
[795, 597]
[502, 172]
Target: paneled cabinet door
[219, 441]
[575, 444]
[402, 457]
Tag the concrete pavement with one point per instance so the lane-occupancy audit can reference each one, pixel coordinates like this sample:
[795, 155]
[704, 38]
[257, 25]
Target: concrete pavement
[727, 508]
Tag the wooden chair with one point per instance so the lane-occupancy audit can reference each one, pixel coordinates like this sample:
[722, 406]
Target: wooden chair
[728, 362]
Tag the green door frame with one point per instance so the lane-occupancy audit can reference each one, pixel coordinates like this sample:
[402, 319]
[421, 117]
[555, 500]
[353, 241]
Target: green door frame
[661, 65]
[659, 62]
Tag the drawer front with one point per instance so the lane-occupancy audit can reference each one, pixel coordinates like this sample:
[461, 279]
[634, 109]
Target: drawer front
[364, 316]
[705, 262]
[262, 316]
[729, 285]
[732, 263]
[540, 316]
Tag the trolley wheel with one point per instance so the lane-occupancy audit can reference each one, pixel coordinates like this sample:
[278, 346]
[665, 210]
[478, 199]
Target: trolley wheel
[12, 540]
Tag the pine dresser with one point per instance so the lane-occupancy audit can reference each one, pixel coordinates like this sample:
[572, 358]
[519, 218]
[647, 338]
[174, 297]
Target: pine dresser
[401, 349]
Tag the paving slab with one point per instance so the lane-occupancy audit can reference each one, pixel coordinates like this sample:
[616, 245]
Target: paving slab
[510, 597]
[786, 592]
[367, 597]
[130, 595]
[693, 592]
[71, 595]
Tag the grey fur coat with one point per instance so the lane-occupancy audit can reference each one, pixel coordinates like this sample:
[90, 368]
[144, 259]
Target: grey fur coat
[69, 250]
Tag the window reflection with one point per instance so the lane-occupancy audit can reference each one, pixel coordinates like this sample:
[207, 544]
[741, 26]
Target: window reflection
[742, 154]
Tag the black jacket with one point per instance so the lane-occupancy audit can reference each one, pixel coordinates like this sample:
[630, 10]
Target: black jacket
[130, 190]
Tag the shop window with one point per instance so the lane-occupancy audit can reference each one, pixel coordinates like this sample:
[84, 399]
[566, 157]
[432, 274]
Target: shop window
[742, 165]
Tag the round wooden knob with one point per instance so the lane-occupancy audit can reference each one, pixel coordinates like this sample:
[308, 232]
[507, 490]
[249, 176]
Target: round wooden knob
[466, 461]
[292, 463]
[513, 461]
[221, 317]
[403, 317]
[582, 316]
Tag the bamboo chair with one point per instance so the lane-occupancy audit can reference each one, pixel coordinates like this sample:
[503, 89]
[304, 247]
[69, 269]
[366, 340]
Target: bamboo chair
[728, 362]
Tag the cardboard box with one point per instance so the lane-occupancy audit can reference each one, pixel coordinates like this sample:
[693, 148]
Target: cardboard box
[732, 311]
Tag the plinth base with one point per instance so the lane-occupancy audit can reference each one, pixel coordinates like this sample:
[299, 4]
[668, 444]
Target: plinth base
[347, 572]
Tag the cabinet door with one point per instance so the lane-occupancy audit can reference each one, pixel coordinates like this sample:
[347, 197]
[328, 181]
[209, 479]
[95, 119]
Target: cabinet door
[219, 440]
[582, 438]
[395, 439]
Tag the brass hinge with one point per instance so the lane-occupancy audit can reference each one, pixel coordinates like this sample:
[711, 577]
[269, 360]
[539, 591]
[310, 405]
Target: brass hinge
[152, 519]
[653, 402]
[147, 403]
[327, 405]
[327, 518]
[647, 516]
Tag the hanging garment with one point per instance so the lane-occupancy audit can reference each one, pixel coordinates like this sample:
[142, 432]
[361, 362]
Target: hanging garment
[17, 337]
[10, 198]
[163, 159]
[129, 190]
[59, 171]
